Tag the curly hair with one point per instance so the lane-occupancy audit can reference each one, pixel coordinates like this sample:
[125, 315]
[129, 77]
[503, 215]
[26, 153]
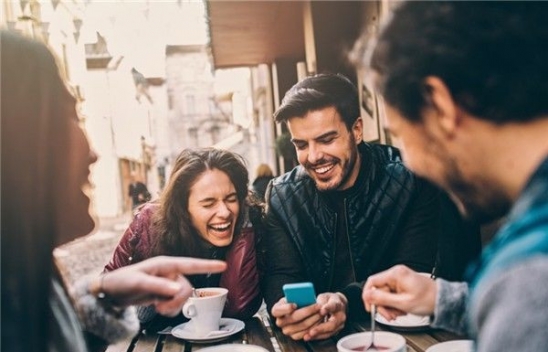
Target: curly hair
[489, 54]
[172, 221]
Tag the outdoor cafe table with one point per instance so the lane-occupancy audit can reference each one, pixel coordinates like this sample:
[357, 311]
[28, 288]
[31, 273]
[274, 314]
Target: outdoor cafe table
[259, 330]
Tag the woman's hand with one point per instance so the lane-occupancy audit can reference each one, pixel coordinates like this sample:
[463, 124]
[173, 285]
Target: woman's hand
[158, 280]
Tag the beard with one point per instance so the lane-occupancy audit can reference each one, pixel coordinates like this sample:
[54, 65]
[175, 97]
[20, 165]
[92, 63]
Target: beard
[339, 180]
[478, 200]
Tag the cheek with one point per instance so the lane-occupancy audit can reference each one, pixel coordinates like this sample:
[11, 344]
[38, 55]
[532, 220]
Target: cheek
[235, 209]
[198, 218]
[302, 157]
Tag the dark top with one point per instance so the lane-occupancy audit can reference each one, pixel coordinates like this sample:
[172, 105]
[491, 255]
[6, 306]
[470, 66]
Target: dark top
[259, 185]
[388, 217]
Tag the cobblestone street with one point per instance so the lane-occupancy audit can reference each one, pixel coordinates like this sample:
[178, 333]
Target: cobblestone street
[88, 255]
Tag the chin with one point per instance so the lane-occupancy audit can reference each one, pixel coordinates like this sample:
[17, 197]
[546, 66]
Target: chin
[324, 186]
[222, 242]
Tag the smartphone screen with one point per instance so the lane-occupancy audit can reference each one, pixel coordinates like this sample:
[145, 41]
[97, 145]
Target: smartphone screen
[302, 294]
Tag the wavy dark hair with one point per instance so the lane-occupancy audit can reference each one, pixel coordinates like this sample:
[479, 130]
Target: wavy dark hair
[36, 113]
[488, 53]
[318, 92]
[171, 223]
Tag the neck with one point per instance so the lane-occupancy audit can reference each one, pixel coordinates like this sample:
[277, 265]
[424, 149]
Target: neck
[516, 150]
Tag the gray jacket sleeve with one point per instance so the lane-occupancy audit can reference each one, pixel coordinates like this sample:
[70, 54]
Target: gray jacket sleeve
[450, 310]
[511, 311]
[98, 319]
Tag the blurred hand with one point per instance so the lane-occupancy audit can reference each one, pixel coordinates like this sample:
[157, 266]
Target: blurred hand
[400, 290]
[157, 281]
[294, 322]
[333, 310]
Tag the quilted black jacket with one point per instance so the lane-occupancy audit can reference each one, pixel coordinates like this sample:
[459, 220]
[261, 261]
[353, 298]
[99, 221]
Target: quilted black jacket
[392, 217]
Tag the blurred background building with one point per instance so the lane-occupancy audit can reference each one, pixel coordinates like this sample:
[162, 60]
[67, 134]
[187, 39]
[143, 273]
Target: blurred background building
[153, 77]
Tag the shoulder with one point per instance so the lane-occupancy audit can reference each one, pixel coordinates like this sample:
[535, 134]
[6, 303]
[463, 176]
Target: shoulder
[381, 153]
[386, 163]
[293, 185]
[292, 180]
[143, 219]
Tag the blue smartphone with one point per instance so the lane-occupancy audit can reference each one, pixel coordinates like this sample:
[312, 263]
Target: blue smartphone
[302, 294]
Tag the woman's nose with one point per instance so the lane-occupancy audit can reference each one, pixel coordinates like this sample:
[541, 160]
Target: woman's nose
[223, 209]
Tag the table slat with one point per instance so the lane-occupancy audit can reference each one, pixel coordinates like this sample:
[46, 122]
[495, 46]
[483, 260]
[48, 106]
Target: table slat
[149, 343]
[257, 334]
[284, 343]
[173, 344]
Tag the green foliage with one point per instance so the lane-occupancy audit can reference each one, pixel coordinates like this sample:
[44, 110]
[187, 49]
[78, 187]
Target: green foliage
[285, 148]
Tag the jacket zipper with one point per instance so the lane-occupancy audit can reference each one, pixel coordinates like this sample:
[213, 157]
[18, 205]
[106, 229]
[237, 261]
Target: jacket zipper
[348, 243]
[334, 252]
[331, 269]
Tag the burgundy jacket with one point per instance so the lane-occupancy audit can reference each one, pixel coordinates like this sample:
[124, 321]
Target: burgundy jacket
[241, 277]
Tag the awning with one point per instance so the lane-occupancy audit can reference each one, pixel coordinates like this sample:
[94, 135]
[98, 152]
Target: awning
[248, 33]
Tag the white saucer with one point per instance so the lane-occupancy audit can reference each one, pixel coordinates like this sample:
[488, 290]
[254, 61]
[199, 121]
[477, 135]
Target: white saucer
[228, 327]
[406, 322]
[234, 347]
[452, 346]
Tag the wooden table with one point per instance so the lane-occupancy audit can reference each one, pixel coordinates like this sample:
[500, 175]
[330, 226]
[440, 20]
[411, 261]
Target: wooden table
[260, 331]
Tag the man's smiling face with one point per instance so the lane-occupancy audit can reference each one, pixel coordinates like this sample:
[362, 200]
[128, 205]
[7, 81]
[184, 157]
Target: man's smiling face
[326, 148]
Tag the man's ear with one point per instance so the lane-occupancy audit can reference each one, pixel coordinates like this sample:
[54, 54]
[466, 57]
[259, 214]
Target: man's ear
[444, 110]
[357, 130]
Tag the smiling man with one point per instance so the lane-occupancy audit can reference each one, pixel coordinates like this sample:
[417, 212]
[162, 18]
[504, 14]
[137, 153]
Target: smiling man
[350, 209]
[466, 87]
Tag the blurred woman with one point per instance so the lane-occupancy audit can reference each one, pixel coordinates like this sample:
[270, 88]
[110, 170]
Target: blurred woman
[264, 175]
[45, 169]
[203, 212]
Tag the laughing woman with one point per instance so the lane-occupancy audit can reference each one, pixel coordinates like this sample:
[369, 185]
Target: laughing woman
[203, 212]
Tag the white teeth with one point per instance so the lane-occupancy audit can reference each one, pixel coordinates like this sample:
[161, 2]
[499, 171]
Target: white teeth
[323, 170]
[221, 227]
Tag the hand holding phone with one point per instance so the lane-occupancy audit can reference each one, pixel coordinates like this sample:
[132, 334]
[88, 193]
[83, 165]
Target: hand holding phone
[302, 294]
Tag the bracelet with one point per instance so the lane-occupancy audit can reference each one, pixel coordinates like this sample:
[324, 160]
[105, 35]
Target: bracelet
[101, 295]
[105, 300]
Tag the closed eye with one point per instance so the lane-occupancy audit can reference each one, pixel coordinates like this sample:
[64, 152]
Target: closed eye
[299, 144]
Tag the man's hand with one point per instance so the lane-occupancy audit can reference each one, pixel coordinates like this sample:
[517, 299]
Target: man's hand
[294, 322]
[157, 281]
[333, 310]
[318, 321]
[400, 290]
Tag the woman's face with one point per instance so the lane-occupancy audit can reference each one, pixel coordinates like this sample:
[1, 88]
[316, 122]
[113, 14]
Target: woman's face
[213, 207]
[75, 219]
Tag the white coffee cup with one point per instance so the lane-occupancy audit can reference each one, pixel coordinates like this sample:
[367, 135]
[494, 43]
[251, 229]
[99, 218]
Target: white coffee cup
[387, 341]
[205, 309]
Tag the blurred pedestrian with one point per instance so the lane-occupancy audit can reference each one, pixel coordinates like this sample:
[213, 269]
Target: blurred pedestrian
[465, 86]
[203, 212]
[45, 169]
[137, 191]
[264, 175]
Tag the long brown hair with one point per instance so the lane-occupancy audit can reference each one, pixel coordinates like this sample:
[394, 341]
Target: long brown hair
[35, 123]
[172, 224]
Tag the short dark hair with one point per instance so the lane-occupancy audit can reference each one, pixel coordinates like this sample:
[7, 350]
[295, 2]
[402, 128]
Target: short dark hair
[491, 55]
[318, 92]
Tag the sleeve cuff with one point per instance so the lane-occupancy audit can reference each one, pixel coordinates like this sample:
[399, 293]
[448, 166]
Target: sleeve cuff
[99, 318]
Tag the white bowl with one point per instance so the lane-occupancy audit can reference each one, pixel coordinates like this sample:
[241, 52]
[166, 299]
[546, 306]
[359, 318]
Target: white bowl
[234, 347]
[359, 341]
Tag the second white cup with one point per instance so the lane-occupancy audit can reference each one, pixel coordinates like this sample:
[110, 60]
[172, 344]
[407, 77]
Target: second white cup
[205, 309]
